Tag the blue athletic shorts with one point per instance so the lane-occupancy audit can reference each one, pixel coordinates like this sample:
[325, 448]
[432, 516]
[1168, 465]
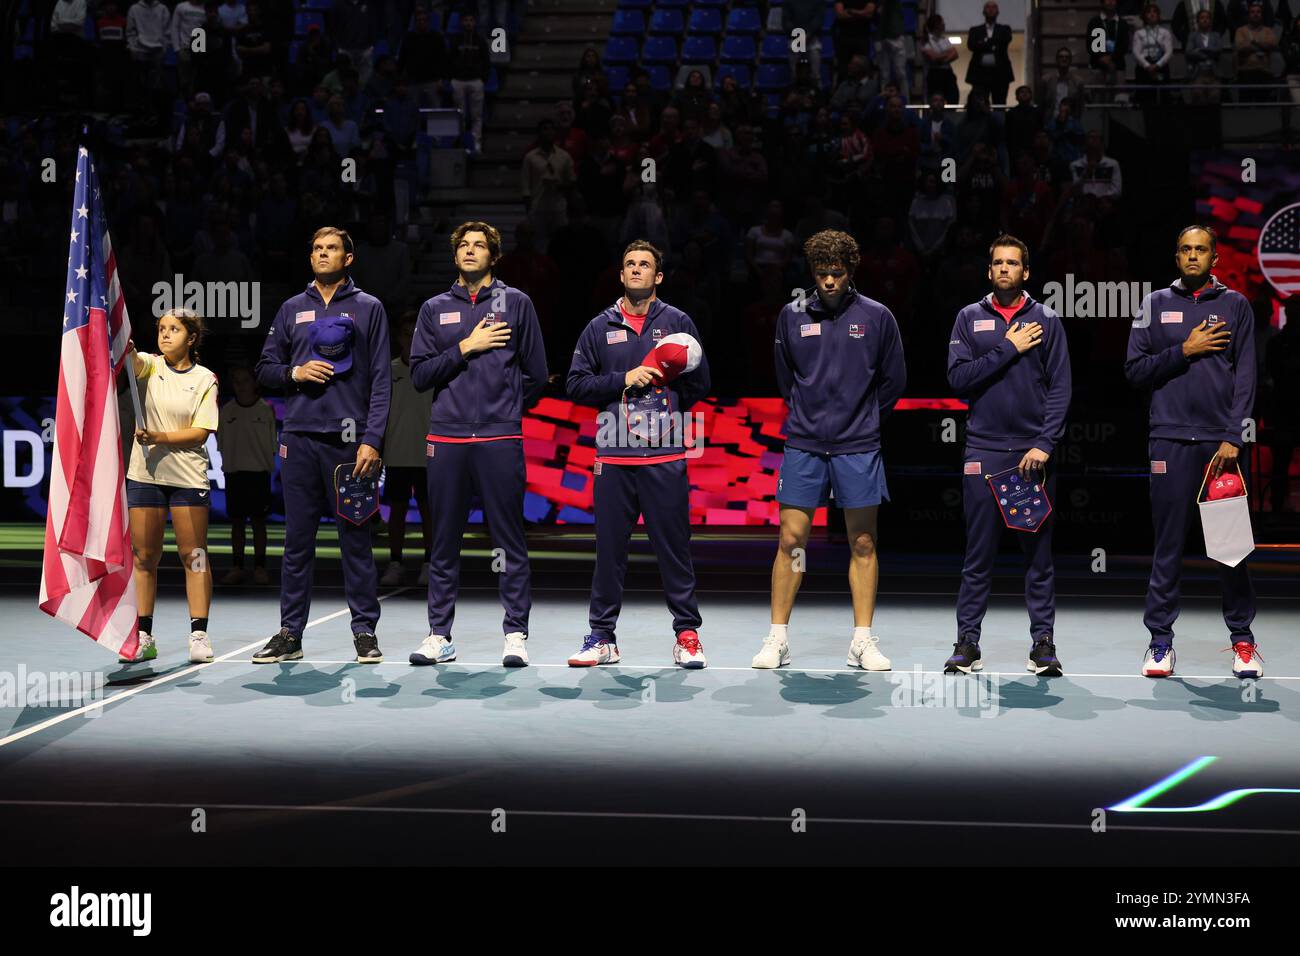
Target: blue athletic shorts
[858, 479]
[141, 494]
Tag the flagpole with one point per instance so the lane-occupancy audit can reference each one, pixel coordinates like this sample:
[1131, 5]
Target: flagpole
[131, 387]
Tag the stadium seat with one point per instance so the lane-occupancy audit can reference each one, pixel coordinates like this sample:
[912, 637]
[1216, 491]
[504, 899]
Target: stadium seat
[627, 23]
[634, 4]
[739, 50]
[705, 22]
[699, 50]
[659, 50]
[620, 50]
[661, 80]
[674, 4]
[828, 47]
[711, 3]
[743, 20]
[737, 70]
[668, 22]
[828, 20]
[319, 4]
[305, 20]
[618, 77]
[493, 83]
[773, 77]
[776, 48]
[380, 49]
[453, 22]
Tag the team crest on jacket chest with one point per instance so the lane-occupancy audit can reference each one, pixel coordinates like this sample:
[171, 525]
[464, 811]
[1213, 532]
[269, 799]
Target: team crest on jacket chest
[656, 334]
[857, 331]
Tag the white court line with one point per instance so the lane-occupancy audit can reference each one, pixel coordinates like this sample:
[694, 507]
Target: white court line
[489, 665]
[492, 588]
[621, 815]
[223, 659]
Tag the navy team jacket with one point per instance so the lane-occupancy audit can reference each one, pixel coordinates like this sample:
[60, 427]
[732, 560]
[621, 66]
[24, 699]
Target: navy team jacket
[485, 395]
[1016, 401]
[608, 348]
[841, 372]
[1201, 399]
[361, 394]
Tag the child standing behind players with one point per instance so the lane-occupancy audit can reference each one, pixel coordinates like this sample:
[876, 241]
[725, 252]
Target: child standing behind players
[404, 454]
[247, 442]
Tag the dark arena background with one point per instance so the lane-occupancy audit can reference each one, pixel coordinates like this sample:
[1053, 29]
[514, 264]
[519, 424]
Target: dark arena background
[726, 132]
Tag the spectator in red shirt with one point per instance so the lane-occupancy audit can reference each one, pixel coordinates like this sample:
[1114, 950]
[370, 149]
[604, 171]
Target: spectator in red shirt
[669, 135]
[889, 272]
[1027, 203]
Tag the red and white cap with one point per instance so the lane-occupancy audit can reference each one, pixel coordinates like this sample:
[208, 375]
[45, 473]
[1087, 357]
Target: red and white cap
[1227, 485]
[675, 355]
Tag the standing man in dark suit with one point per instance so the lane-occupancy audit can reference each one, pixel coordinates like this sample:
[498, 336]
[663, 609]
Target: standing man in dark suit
[990, 66]
[1109, 60]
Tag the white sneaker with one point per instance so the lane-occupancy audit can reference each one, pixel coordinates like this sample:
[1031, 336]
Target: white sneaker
[595, 651]
[423, 579]
[774, 653]
[864, 652]
[435, 649]
[200, 648]
[688, 652]
[147, 650]
[1246, 661]
[392, 576]
[516, 652]
[1159, 661]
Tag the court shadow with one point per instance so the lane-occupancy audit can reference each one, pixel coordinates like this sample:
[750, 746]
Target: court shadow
[1228, 700]
[843, 695]
[468, 685]
[1057, 696]
[132, 675]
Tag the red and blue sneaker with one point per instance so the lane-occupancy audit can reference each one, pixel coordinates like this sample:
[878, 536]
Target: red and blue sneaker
[1159, 661]
[595, 650]
[688, 652]
[1246, 661]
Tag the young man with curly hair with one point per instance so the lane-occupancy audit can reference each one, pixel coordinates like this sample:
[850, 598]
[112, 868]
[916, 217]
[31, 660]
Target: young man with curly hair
[840, 368]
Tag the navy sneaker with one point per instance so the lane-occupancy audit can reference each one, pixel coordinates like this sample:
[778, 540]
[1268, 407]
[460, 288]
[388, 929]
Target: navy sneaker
[367, 646]
[283, 647]
[1042, 658]
[965, 658]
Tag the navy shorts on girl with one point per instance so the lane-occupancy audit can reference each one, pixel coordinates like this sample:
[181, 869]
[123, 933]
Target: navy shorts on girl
[858, 479]
[141, 494]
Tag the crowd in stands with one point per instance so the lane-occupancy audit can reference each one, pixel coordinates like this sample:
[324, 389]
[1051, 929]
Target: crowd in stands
[224, 148]
[728, 178]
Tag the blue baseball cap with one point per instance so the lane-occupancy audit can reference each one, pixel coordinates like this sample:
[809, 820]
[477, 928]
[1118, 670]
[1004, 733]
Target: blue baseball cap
[331, 341]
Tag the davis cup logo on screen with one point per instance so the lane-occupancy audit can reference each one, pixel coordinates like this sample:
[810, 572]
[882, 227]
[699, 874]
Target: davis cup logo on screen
[1279, 250]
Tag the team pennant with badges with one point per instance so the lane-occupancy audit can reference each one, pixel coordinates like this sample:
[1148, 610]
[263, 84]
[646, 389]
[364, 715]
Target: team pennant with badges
[1023, 501]
[356, 498]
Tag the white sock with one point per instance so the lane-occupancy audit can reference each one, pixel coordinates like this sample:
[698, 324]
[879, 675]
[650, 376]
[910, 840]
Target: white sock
[778, 630]
[862, 632]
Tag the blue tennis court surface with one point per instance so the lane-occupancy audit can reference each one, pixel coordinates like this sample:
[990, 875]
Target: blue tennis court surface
[326, 760]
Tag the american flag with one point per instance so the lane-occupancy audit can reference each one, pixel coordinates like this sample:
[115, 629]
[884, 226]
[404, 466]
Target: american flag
[1279, 250]
[87, 577]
